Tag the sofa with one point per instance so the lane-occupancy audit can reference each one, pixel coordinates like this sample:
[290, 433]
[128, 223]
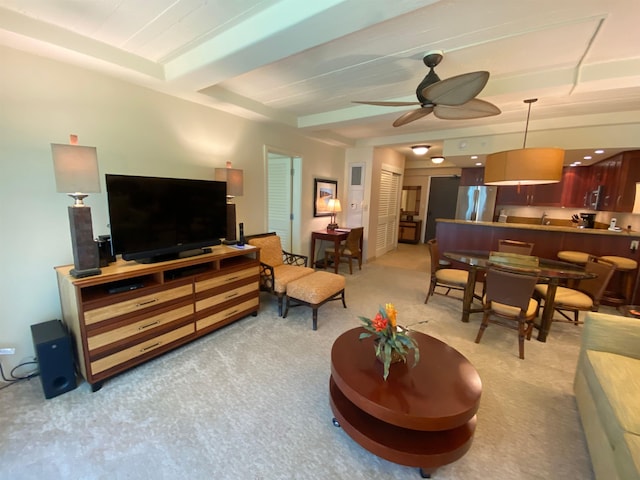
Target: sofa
[607, 390]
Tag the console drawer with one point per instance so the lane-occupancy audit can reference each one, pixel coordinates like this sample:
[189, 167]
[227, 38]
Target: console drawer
[217, 317]
[136, 304]
[137, 327]
[227, 278]
[130, 353]
[225, 296]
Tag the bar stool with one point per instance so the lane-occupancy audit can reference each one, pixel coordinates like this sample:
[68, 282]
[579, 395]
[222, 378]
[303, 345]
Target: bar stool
[575, 257]
[572, 256]
[626, 267]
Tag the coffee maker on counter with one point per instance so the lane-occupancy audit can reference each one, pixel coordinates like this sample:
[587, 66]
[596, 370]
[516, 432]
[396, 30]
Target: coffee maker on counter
[588, 220]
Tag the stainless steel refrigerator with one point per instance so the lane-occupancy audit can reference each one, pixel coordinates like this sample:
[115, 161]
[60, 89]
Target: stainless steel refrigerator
[476, 204]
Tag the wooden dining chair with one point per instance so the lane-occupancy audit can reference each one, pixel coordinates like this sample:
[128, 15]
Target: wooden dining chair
[349, 250]
[585, 296]
[449, 278]
[508, 301]
[515, 246]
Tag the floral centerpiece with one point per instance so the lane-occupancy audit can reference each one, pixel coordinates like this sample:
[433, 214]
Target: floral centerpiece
[392, 343]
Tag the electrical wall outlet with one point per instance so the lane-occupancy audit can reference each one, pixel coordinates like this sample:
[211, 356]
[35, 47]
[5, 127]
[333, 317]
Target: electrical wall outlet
[634, 245]
[7, 351]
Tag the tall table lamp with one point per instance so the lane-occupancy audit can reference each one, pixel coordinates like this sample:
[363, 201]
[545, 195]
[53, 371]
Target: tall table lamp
[76, 172]
[234, 178]
[334, 207]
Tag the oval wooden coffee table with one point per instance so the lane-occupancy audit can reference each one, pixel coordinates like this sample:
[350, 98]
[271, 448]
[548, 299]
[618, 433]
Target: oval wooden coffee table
[423, 416]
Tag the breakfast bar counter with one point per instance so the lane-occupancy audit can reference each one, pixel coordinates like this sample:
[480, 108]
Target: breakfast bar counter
[548, 240]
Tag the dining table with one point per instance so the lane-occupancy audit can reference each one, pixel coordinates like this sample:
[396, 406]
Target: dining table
[549, 271]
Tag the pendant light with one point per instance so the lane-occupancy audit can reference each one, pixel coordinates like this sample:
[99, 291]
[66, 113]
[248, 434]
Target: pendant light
[525, 166]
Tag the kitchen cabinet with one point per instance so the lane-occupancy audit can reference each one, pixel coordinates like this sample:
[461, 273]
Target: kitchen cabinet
[472, 177]
[547, 195]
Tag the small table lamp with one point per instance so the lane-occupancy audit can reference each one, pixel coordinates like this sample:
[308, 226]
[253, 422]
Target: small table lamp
[76, 171]
[234, 178]
[334, 207]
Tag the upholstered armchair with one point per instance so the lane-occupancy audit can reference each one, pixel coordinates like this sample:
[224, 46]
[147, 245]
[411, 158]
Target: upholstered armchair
[277, 266]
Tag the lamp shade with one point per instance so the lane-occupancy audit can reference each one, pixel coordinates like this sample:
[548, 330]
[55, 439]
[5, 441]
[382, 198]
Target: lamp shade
[234, 178]
[334, 205]
[526, 166]
[75, 168]
[636, 203]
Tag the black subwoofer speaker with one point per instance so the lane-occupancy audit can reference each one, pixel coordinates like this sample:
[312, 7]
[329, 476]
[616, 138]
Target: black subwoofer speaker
[54, 352]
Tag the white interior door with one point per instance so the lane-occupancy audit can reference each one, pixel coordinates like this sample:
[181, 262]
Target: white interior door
[279, 195]
[388, 208]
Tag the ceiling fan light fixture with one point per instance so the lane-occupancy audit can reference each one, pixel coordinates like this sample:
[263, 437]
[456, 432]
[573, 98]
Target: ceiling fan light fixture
[420, 149]
[524, 166]
[438, 159]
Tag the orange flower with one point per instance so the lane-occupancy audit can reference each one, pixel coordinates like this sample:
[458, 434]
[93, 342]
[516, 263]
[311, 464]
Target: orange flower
[379, 322]
[392, 313]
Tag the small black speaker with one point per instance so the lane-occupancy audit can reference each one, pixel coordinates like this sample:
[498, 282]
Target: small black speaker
[241, 240]
[54, 351]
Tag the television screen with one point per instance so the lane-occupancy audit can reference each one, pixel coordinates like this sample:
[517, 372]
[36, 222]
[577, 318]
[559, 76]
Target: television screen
[155, 218]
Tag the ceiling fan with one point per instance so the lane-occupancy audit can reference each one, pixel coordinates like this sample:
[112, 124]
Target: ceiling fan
[450, 99]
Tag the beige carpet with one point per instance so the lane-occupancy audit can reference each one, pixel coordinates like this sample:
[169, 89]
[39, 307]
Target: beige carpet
[251, 401]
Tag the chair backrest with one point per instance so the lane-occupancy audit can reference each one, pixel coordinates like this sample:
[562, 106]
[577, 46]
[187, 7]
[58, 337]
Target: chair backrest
[510, 287]
[353, 240]
[595, 287]
[434, 254]
[515, 246]
[270, 249]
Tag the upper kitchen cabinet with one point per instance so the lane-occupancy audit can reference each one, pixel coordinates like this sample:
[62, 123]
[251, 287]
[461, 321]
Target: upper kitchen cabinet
[472, 177]
[623, 187]
[547, 195]
[576, 187]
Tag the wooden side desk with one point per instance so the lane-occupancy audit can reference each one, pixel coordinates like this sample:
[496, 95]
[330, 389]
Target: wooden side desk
[332, 236]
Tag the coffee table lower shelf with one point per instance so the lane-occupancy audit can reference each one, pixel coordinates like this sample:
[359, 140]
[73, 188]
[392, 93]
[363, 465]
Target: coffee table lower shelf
[426, 450]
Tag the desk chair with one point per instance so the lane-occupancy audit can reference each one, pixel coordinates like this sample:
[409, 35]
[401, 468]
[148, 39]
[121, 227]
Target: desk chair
[349, 250]
[585, 296]
[449, 278]
[508, 297]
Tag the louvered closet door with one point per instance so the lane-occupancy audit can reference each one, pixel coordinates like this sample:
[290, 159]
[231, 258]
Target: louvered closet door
[388, 208]
[279, 197]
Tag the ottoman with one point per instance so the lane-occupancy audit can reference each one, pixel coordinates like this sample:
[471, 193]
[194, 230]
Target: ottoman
[314, 290]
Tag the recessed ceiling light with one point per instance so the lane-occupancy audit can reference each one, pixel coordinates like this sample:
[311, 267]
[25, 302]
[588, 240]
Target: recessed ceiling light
[599, 151]
[420, 149]
[577, 163]
[474, 157]
[587, 157]
[437, 159]
[478, 164]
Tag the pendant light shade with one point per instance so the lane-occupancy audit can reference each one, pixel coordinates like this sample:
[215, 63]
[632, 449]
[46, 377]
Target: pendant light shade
[525, 166]
[636, 203]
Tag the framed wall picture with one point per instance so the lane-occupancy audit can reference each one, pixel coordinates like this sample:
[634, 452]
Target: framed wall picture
[324, 190]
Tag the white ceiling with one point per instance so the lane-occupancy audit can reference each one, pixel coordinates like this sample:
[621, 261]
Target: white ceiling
[302, 63]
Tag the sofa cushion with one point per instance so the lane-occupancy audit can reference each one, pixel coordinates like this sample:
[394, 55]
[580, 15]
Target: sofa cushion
[633, 441]
[614, 382]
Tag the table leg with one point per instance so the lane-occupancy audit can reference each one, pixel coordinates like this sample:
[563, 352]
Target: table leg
[336, 254]
[313, 251]
[467, 299]
[547, 312]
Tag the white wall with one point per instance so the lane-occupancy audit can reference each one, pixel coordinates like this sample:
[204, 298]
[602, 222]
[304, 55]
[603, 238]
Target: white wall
[136, 131]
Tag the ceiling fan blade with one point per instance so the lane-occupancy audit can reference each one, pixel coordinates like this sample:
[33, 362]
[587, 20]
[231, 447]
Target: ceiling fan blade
[456, 90]
[389, 104]
[474, 108]
[412, 115]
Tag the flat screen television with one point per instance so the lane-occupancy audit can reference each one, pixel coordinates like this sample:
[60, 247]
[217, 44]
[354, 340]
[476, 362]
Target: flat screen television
[156, 219]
